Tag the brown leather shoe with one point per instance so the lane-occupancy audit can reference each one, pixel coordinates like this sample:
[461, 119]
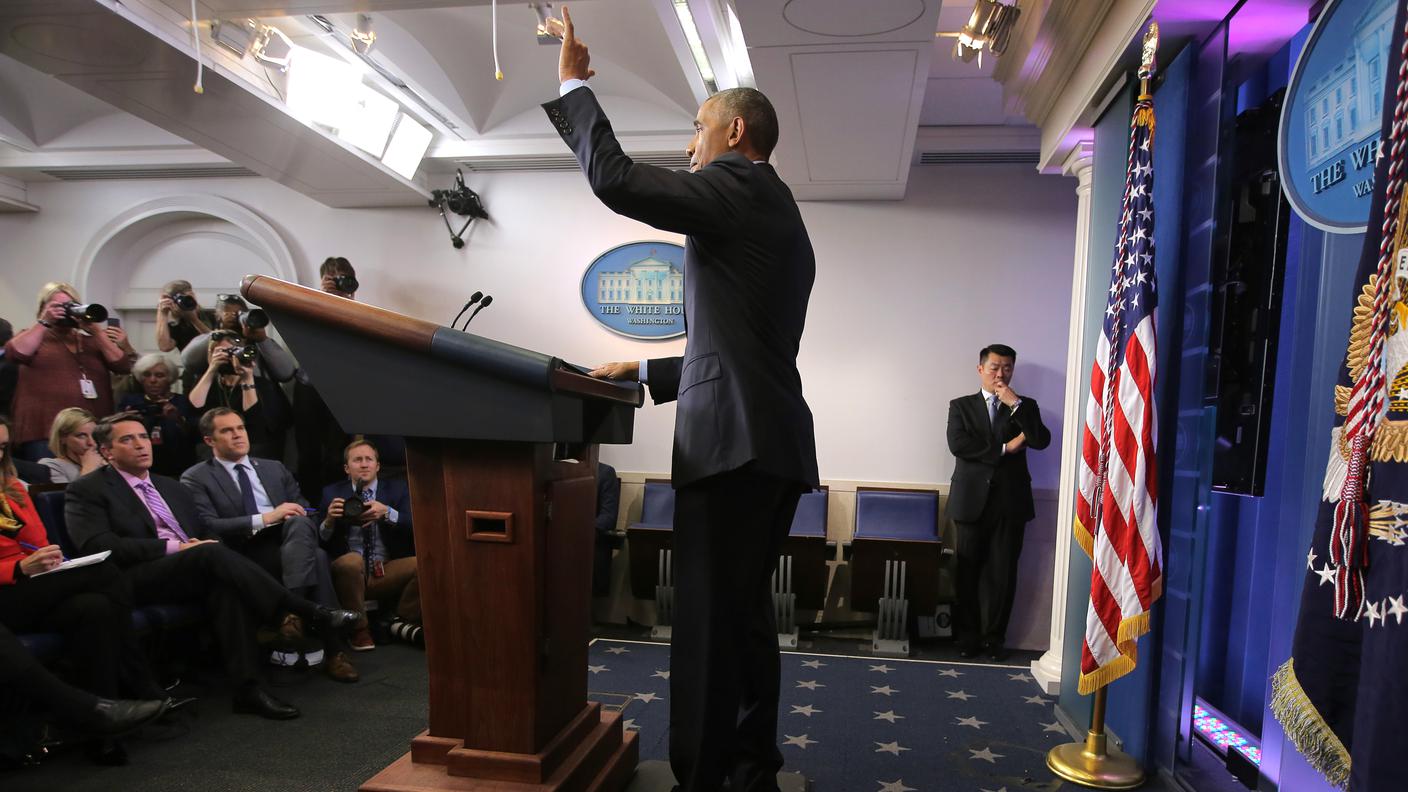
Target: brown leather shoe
[362, 640]
[291, 629]
[340, 669]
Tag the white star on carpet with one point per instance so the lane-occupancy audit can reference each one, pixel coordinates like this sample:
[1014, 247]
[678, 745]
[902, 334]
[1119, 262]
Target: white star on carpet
[629, 723]
[882, 668]
[884, 691]
[597, 669]
[618, 650]
[810, 684]
[960, 695]
[1054, 726]
[1019, 677]
[973, 721]
[951, 672]
[888, 715]
[1396, 609]
[646, 697]
[986, 755]
[890, 748]
[1034, 700]
[812, 664]
[894, 786]
[661, 674]
[1002, 789]
[1327, 575]
[801, 742]
[808, 710]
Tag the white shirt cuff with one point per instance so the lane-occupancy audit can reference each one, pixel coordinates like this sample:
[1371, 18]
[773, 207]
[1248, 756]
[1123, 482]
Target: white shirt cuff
[256, 522]
[568, 86]
[392, 516]
[641, 376]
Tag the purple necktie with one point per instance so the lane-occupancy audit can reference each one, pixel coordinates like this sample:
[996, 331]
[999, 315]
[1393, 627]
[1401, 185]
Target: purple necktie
[166, 525]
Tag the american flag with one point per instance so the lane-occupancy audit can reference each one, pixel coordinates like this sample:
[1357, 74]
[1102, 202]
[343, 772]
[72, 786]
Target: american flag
[1116, 508]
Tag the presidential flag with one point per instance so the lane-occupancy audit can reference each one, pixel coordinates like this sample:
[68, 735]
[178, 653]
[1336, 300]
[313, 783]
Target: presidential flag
[1117, 506]
[1342, 694]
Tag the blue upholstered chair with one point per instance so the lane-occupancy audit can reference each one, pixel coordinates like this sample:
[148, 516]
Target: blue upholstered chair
[895, 557]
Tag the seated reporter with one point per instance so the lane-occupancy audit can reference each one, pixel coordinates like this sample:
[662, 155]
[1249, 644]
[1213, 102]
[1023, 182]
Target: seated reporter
[155, 533]
[169, 416]
[231, 382]
[71, 442]
[254, 506]
[367, 530]
[91, 606]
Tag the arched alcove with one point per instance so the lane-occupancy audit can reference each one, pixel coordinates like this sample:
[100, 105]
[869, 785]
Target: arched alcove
[210, 241]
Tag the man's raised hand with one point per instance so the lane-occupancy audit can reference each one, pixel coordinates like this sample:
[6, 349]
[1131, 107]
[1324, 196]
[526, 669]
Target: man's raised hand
[573, 62]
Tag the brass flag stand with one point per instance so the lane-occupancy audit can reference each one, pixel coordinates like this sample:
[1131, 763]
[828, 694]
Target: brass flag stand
[1093, 763]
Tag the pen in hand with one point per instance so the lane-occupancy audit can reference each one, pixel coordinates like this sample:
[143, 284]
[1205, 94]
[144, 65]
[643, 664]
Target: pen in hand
[32, 548]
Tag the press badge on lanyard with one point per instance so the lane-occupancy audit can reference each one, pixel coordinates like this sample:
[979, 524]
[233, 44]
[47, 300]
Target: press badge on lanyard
[378, 569]
[90, 391]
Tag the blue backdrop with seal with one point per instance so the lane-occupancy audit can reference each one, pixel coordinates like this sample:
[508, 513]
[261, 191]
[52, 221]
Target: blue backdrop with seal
[637, 289]
[1329, 133]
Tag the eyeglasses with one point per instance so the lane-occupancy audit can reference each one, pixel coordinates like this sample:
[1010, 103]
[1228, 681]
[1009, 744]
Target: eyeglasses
[229, 298]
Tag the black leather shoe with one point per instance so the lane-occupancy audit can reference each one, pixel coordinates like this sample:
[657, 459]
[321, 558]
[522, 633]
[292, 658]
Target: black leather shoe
[106, 751]
[113, 717]
[336, 619]
[179, 702]
[253, 700]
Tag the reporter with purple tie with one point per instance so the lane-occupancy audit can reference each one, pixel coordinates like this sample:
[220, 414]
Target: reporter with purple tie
[151, 525]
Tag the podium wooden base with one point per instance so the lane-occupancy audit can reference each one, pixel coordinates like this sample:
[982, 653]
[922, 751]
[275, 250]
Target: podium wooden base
[593, 754]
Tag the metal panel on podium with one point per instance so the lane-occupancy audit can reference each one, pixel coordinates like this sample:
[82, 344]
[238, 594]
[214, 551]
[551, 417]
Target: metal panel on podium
[503, 532]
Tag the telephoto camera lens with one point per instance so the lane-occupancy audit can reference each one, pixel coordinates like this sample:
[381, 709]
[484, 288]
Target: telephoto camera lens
[254, 318]
[184, 301]
[347, 284]
[91, 312]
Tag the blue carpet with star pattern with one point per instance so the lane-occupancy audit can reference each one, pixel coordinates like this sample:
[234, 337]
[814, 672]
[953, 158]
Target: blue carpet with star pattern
[853, 724]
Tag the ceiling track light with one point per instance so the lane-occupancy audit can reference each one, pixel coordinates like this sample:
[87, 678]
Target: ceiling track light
[550, 29]
[362, 36]
[989, 27]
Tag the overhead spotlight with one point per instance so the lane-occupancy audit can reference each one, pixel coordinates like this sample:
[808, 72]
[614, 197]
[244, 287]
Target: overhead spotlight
[363, 37]
[550, 28]
[235, 35]
[272, 47]
[989, 26]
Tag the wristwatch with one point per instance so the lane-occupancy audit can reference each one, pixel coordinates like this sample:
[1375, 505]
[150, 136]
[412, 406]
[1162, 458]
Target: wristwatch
[246, 386]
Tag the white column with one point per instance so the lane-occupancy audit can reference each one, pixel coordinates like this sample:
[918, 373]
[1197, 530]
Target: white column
[1047, 669]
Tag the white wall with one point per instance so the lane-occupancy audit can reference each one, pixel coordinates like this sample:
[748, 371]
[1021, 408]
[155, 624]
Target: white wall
[906, 292]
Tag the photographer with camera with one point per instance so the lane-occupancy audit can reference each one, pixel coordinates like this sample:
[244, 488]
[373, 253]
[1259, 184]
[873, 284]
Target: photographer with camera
[234, 315]
[169, 416]
[318, 435]
[65, 359]
[179, 317]
[229, 381]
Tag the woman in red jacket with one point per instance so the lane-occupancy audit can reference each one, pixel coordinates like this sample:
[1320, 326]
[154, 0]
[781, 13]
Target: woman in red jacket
[91, 606]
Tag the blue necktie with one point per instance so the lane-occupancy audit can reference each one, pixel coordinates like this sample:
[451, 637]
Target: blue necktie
[246, 491]
[368, 538]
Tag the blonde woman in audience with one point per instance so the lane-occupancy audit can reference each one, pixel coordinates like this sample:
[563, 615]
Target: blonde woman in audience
[71, 441]
[63, 362]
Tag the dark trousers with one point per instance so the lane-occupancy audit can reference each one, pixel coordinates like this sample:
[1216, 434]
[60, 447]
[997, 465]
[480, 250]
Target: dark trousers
[988, 551]
[26, 685]
[238, 596]
[290, 553]
[724, 664]
[92, 607]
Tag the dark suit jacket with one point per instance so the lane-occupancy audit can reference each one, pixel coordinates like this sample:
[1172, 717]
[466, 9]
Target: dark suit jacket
[608, 498]
[399, 538]
[982, 469]
[748, 275]
[103, 513]
[219, 501]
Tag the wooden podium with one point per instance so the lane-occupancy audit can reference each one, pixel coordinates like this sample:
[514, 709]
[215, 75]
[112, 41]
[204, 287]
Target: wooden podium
[503, 530]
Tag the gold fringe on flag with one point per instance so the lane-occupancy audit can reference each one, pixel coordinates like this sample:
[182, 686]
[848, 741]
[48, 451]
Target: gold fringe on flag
[1127, 641]
[1309, 732]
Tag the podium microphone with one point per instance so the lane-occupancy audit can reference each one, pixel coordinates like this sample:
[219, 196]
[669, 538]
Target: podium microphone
[473, 298]
[485, 304]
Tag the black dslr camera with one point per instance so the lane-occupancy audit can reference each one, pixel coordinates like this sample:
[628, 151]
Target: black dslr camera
[347, 284]
[184, 301]
[76, 313]
[244, 354]
[254, 318]
[352, 509]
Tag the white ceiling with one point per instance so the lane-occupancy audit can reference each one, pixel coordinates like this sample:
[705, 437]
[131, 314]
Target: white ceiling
[98, 84]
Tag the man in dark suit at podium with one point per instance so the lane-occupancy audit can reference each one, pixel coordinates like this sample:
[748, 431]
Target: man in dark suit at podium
[744, 449]
[990, 498]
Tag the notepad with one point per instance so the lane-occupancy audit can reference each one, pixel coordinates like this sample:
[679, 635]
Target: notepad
[74, 563]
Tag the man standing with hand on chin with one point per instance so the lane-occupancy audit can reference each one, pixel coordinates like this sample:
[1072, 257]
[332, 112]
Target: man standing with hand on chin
[990, 498]
[744, 447]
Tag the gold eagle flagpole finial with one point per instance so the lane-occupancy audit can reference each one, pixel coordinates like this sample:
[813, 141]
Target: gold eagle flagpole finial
[1147, 60]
